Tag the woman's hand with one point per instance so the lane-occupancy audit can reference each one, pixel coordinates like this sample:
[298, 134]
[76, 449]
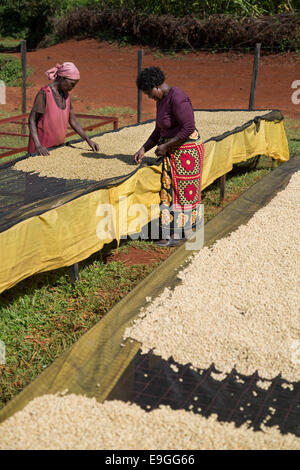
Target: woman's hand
[32, 120]
[139, 155]
[41, 150]
[161, 150]
[93, 145]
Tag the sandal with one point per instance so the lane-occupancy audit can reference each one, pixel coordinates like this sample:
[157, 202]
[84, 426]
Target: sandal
[170, 242]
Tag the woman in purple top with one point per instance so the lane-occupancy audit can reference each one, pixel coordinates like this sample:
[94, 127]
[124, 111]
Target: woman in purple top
[181, 150]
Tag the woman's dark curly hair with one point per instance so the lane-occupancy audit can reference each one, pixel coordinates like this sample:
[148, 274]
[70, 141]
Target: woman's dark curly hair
[150, 78]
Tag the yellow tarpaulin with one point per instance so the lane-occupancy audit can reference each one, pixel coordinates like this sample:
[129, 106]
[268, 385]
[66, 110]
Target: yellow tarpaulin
[73, 231]
[220, 156]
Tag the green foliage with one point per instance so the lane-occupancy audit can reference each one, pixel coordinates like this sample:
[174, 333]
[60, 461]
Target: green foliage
[33, 19]
[28, 19]
[200, 9]
[11, 70]
[9, 43]
[217, 32]
[70, 4]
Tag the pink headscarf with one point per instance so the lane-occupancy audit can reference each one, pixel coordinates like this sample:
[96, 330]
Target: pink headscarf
[67, 70]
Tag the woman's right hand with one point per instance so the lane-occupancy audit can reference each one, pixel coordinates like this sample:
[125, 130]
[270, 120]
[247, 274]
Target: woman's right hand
[42, 150]
[139, 155]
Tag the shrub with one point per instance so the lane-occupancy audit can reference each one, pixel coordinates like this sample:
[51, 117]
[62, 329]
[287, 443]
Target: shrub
[28, 19]
[276, 33]
[11, 70]
[161, 23]
[200, 9]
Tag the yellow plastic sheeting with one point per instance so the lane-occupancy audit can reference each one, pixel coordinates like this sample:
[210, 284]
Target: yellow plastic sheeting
[270, 140]
[72, 232]
[75, 230]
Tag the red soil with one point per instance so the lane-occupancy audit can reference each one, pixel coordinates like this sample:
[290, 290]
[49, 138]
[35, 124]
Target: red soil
[137, 255]
[212, 81]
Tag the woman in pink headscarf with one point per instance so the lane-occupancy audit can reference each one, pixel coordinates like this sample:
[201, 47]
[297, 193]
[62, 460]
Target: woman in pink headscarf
[52, 111]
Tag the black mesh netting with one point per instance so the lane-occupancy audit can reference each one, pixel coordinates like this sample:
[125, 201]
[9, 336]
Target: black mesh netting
[24, 195]
[150, 381]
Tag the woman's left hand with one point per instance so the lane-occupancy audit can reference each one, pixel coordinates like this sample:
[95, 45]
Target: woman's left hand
[93, 145]
[161, 150]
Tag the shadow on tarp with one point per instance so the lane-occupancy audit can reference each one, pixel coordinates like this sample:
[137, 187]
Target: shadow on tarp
[150, 381]
[98, 364]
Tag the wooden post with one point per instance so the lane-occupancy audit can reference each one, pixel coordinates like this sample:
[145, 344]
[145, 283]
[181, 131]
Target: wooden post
[139, 96]
[222, 180]
[74, 274]
[254, 76]
[23, 61]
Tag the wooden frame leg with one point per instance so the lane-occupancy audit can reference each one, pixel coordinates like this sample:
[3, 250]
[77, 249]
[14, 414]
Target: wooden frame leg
[222, 180]
[74, 273]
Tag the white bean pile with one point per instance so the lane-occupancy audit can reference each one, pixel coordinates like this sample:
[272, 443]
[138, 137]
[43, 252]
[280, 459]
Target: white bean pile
[76, 422]
[116, 150]
[238, 303]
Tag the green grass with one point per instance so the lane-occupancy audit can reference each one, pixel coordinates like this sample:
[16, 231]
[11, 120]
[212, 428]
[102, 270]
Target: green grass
[236, 184]
[12, 141]
[8, 43]
[44, 315]
[292, 129]
[161, 54]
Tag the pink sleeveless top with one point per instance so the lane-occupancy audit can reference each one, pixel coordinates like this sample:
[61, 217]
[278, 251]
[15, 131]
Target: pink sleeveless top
[52, 126]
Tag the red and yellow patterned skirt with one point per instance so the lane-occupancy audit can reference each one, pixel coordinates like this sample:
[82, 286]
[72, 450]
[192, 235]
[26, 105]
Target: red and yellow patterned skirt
[180, 210]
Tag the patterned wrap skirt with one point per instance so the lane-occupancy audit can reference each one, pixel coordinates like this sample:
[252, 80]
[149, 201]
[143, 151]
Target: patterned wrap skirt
[180, 207]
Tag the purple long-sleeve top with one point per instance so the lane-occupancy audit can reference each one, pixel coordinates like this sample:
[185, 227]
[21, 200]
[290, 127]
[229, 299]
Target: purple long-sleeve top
[174, 116]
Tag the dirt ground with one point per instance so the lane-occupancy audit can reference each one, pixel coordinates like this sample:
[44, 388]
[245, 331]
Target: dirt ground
[133, 254]
[108, 74]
